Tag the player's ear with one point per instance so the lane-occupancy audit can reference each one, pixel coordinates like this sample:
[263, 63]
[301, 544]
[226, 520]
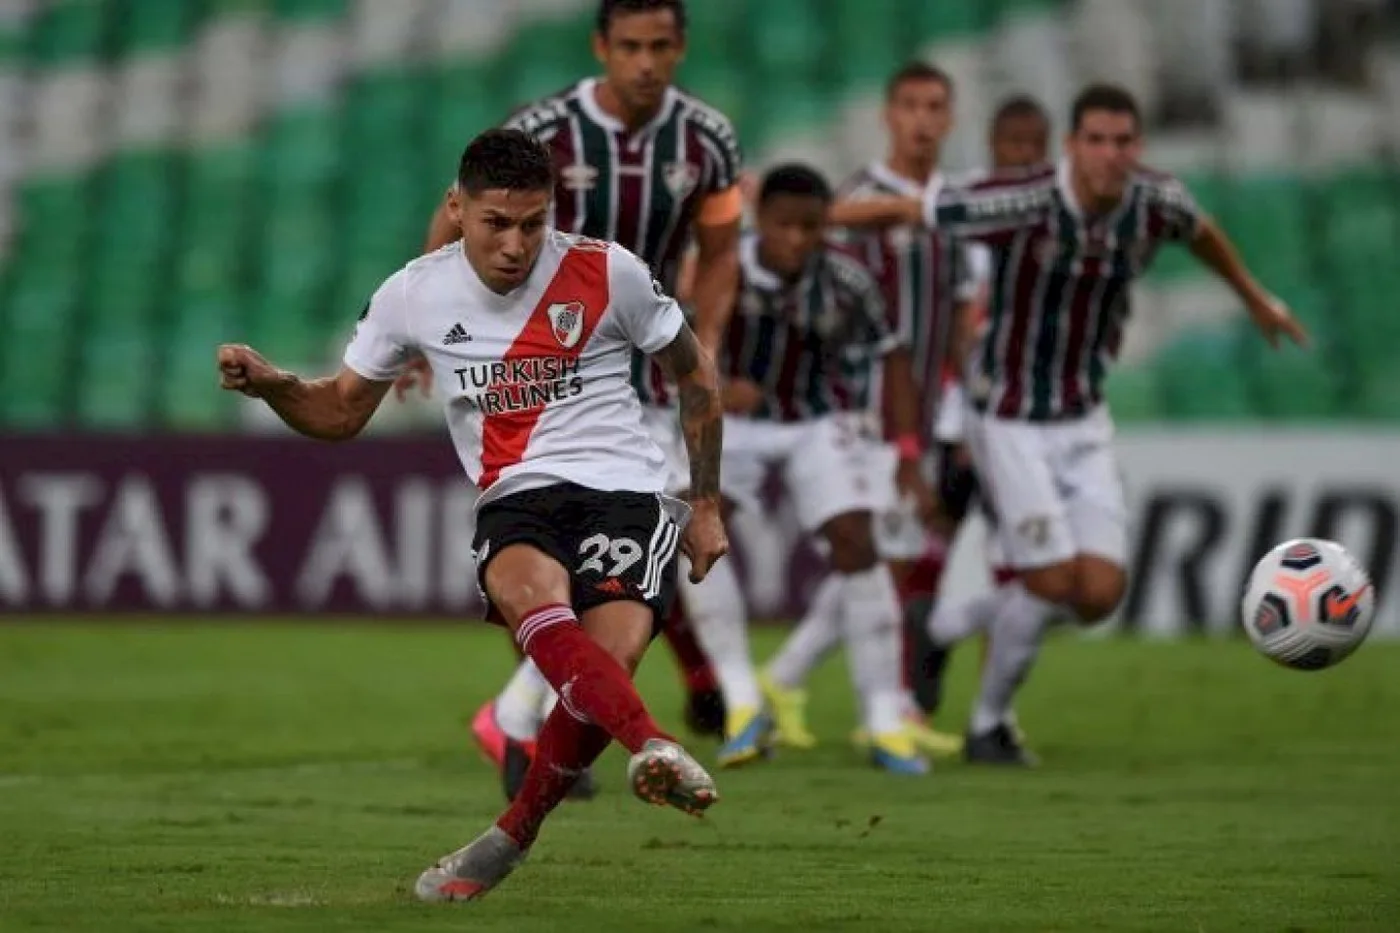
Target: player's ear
[454, 204]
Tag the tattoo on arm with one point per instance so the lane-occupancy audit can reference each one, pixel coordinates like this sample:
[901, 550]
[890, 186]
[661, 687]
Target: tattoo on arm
[701, 413]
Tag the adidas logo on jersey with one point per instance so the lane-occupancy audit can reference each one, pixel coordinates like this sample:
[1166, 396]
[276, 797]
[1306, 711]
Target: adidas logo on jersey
[458, 334]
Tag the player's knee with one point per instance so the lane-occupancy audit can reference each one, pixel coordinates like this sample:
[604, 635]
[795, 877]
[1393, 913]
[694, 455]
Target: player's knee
[852, 542]
[1101, 587]
[521, 579]
[1054, 584]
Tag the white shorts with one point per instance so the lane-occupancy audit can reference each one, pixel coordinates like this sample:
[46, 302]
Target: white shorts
[900, 533]
[825, 464]
[664, 426]
[1055, 487]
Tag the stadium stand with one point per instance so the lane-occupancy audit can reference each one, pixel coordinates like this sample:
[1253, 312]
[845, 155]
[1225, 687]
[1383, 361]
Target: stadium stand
[185, 173]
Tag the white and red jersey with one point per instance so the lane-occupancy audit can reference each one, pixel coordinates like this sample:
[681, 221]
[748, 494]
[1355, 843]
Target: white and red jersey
[536, 383]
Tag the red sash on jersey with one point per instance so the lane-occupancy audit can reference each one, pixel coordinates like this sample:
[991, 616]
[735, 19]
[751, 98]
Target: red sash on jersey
[579, 287]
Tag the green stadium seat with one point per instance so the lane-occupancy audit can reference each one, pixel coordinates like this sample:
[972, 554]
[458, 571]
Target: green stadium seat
[215, 8]
[301, 148]
[466, 99]
[788, 40]
[69, 31]
[872, 34]
[146, 27]
[949, 19]
[1201, 376]
[1133, 394]
[1269, 219]
[384, 111]
[35, 373]
[310, 10]
[116, 390]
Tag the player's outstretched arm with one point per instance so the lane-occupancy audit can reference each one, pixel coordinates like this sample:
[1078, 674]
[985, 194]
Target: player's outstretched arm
[1213, 248]
[876, 212]
[702, 420]
[335, 408]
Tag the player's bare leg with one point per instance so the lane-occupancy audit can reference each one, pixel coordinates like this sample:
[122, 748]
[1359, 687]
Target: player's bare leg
[871, 628]
[589, 662]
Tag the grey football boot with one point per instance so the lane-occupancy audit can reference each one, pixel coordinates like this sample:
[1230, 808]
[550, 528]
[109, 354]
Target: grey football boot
[664, 774]
[472, 870]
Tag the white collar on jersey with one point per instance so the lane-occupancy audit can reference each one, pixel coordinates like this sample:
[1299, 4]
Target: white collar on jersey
[1066, 186]
[587, 99]
[898, 183]
[754, 271]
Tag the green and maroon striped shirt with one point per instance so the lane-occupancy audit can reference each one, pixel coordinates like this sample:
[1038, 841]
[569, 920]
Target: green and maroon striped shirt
[642, 190]
[1060, 280]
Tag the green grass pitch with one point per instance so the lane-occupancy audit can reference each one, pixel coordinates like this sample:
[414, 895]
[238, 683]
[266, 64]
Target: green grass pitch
[229, 777]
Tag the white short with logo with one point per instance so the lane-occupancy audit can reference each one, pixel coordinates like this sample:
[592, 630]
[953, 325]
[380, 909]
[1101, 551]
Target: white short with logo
[899, 532]
[1055, 487]
[825, 464]
[664, 426]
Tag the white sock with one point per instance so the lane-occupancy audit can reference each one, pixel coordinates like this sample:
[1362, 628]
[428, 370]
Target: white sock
[815, 637]
[1016, 634]
[951, 623]
[870, 625]
[518, 705]
[716, 610]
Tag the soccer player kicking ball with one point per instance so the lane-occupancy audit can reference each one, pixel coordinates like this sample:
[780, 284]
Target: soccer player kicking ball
[643, 163]
[530, 334]
[1066, 243]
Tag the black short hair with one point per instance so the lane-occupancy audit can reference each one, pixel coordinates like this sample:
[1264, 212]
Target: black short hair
[917, 71]
[796, 179]
[1016, 107]
[1108, 97]
[610, 9]
[509, 159]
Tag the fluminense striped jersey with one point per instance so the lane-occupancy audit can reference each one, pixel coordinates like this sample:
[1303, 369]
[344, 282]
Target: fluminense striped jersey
[642, 190]
[809, 344]
[1058, 297]
[925, 276]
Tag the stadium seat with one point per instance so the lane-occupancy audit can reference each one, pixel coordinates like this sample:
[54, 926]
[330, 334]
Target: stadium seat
[1205, 358]
[1134, 395]
[63, 33]
[952, 19]
[787, 41]
[1269, 219]
[873, 36]
[309, 10]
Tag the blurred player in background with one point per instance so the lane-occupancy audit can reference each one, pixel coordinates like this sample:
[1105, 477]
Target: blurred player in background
[1067, 241]
[928, 286]
[1019, 139]
[549, 429]
[647, 165]
[810, 322]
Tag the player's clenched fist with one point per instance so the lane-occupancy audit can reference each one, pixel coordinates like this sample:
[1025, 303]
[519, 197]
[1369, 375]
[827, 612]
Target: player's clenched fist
[242, 369]
[705, 540]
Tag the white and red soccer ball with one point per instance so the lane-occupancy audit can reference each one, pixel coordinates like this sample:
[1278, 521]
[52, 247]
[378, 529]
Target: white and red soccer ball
[1308, 604]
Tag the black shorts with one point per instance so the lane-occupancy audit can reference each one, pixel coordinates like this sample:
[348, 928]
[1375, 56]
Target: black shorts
[615, 545]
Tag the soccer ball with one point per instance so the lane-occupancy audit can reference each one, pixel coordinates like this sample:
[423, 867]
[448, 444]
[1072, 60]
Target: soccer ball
[1308, 604]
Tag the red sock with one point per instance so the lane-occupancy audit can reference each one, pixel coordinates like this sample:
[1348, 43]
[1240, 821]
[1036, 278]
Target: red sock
[564, 748]
[589, 681]
[695, 666]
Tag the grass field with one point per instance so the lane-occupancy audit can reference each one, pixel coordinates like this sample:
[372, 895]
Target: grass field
[269, 778]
